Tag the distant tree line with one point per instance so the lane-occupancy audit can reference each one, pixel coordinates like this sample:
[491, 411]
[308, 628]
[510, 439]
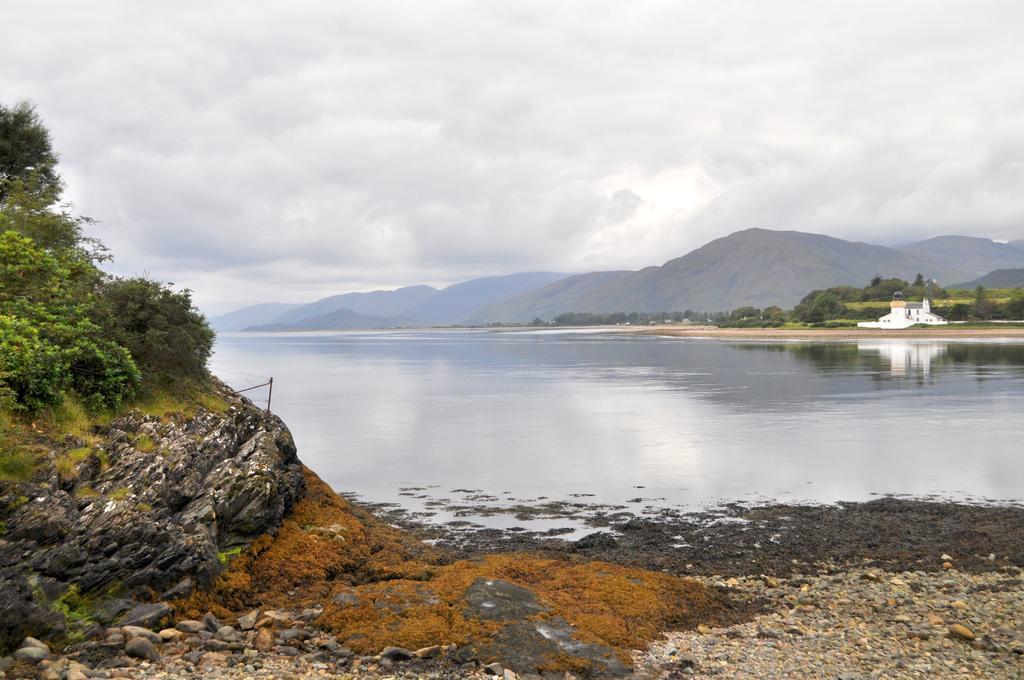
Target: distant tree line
[612, 319]
[829, 307]
[66, 328]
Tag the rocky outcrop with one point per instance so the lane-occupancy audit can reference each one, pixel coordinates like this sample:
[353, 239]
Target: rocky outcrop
[147, 509]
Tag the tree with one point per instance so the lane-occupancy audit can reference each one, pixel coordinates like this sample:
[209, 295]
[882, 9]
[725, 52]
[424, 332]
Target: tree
[959, 312]
[166, 335]
[26, 149]
[918, 280]
[1015, 305]
[824, 307]
[745, 313]
[983, 307]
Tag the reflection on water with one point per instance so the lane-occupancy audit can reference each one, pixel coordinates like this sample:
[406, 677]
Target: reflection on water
[905, 357]
[691, 421]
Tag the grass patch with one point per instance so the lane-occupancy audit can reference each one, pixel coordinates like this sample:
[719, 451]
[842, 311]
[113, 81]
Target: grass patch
[166, 405]
[86, 492]
[17, 465]
[67, 464]
[144, 443]
[145, 507]
[119, 494]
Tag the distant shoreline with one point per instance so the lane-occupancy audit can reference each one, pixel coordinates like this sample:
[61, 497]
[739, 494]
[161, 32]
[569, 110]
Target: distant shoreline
[943, 332]
[950, 332]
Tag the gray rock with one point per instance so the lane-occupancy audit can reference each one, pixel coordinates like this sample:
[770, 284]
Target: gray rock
[226, 634]
[211, 622]
[528, 646]
[396, 654]
[215, 645]
[106, 611]
[180, 590]
[193, 657]
[292, 634]
[496, 600]
[30, 654]
[495, 669]
[428, 652]
[146, 615]
[32, 642]
[309, 615]
[248, 621]
[346, 598]
[136, 631]
[600, 540]
[189, 626]
[141, 648]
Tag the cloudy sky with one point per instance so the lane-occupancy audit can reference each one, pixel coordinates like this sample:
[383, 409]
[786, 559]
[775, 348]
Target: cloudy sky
[283, 151]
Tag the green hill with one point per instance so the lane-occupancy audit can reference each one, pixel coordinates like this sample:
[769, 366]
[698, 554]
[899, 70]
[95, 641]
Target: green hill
[1000, 278]
[977, 256]
[756, 267]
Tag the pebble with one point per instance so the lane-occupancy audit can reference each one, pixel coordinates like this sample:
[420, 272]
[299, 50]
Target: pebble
[248, 621]
[396, 654]
[30, 654]
[961, 632]
[141, 648]
[867, 624]
[190, 627]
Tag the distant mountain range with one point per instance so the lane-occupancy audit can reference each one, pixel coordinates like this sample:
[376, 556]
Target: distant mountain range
[251, 316]
[338, 319]
[976, 256]
[403, 307]
[757, 267]
[1000, 278]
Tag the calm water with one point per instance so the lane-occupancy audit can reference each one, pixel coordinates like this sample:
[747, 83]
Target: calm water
[692, 421]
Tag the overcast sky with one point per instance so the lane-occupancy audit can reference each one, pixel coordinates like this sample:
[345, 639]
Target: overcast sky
[258, 151]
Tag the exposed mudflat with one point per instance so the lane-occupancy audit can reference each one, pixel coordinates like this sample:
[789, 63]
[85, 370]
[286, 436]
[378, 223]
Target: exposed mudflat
[890, 533]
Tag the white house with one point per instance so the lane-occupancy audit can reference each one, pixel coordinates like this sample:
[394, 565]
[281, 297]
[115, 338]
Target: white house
[903, 314]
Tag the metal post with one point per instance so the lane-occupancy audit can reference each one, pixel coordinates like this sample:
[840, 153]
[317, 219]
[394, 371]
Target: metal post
[270, 392]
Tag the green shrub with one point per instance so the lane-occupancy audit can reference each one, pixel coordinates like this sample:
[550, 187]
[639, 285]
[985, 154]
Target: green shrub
[168, 338]
[32, 369]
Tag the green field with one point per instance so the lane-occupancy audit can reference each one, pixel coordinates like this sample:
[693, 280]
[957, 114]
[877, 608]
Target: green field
[999, 295]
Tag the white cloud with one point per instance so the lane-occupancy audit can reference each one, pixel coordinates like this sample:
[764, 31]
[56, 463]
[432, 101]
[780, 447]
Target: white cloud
[264, 150]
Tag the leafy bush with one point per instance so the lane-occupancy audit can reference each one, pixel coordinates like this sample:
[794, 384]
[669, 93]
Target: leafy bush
[32, 370]
[166, 335]
[47, 345]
